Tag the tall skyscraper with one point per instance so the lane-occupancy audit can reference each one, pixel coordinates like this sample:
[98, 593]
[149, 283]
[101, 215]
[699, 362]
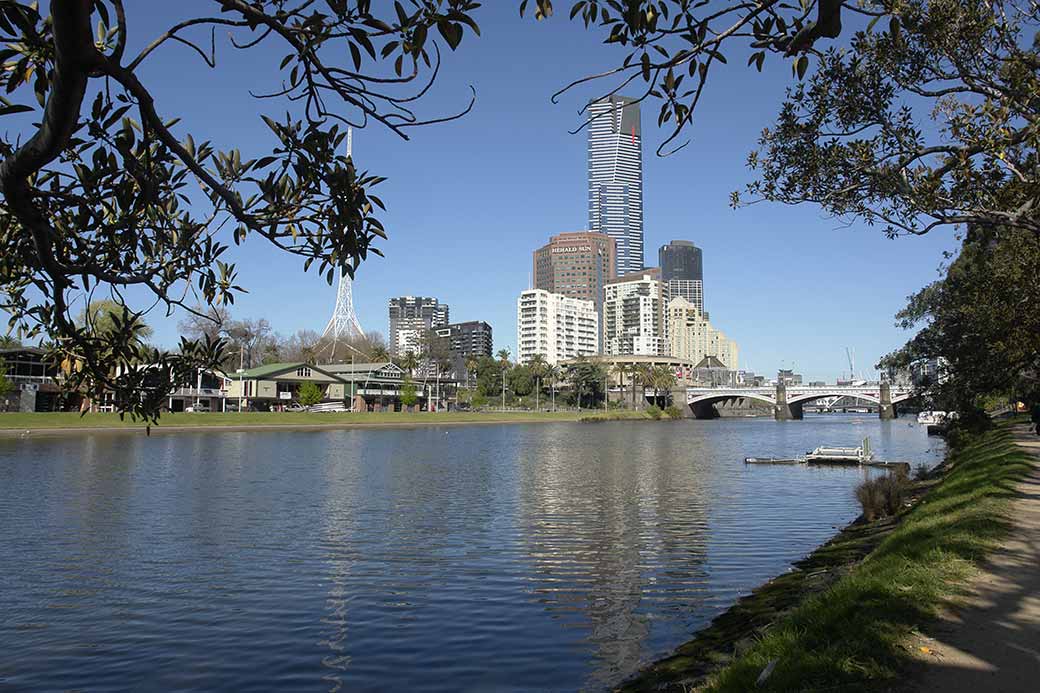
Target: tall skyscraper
[575, 264]
[412, 317]
[682, 268]
[616, 178]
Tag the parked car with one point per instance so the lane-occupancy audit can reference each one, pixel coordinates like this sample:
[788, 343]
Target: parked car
[295, 406]
[201, 407]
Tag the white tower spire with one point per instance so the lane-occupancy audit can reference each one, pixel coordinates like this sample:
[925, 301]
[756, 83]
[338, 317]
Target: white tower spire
[344, 323]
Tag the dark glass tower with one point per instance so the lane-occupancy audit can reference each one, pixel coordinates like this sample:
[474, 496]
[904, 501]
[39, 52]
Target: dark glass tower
[682, 268]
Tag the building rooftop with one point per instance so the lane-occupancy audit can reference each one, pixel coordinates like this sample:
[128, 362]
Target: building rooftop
[648, 272]
[271, 369]
[356, 367]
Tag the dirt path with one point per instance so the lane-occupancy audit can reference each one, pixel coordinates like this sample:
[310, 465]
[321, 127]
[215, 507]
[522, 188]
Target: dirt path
[993, 644]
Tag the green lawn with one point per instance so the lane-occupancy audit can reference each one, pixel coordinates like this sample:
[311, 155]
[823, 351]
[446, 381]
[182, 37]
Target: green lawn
[18, 421]
[853, 636]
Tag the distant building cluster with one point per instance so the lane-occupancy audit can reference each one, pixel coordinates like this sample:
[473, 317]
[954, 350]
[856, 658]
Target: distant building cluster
[592, 293]
[419, 325]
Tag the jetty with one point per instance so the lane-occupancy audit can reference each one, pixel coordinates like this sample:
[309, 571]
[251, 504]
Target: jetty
[828, 455]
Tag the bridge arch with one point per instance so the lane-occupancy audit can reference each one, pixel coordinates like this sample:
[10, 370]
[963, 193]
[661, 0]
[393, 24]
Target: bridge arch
[805, 398]
[703, 406]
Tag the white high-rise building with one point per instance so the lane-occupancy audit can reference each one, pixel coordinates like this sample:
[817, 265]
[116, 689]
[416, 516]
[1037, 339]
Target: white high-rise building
[554, 326]
[692, 338]
[634, 316]
[616, 178]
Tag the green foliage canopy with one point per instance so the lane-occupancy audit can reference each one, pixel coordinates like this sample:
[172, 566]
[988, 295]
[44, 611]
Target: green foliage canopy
[983, 318]
[309, 394]
[409, 393]
[101, 183]
[6, 386]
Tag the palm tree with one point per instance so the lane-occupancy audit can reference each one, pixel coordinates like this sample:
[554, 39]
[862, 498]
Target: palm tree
[552, 372]
[9, 342]
[537, 365]
[503, 355]
[662, 378]
[410, 362]
[471, 367]
[642, 374]
[621, 370]
[380, 353]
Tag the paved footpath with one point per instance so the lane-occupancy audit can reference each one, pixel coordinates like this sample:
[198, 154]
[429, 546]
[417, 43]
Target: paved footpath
[993, 644]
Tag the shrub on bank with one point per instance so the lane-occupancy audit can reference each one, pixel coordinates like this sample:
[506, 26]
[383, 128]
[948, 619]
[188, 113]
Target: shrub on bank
[881, 496]
[654, 412]
[673, 412]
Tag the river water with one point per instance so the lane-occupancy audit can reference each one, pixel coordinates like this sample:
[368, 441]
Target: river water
[470, 558]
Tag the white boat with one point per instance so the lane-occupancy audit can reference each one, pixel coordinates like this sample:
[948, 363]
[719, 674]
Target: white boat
[935, 418]
[828, 453]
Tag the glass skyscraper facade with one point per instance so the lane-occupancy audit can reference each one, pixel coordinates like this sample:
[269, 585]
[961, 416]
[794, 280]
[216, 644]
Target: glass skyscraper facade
[616, 178]
[682, 268]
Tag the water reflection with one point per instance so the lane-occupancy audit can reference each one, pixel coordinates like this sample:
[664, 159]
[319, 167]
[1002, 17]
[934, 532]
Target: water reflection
[523, 557]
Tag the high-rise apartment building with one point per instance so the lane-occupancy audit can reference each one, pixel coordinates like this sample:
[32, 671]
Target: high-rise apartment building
[554, 326]
[616, 178]
[411, 319]
[463, 340]
[692, 338]
[634, 316]
[575, 264]
[682, 268]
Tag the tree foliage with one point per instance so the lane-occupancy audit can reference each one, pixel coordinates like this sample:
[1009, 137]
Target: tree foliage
[409, 393]
[521, 380]
[982, 318]
[587, 378]
[924, 114]
[104, 187]
[933, 122]
[6, 386]
[309, 394]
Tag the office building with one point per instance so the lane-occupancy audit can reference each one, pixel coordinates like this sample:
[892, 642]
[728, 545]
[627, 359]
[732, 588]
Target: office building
[615, 159]
[411, 319]
[634, 315]
[682, 268]
[463, 340]
[693, 338]
[575, 264]
[554, 326]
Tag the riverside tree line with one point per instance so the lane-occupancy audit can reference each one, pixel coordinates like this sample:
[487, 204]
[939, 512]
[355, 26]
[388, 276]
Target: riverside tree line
[912, 116]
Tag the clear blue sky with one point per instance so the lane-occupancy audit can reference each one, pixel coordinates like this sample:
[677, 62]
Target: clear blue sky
[469, 200]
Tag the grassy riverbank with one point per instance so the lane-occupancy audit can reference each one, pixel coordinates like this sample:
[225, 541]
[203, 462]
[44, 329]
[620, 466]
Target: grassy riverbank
[73, 421]
[854, 635]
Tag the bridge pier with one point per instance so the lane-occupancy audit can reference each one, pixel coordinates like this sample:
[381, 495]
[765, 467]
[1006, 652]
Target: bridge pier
[678, 397]
[886, 410]
[784, 411]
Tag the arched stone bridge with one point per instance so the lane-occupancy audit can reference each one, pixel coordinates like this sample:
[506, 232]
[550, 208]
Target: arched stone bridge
[787, 401]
